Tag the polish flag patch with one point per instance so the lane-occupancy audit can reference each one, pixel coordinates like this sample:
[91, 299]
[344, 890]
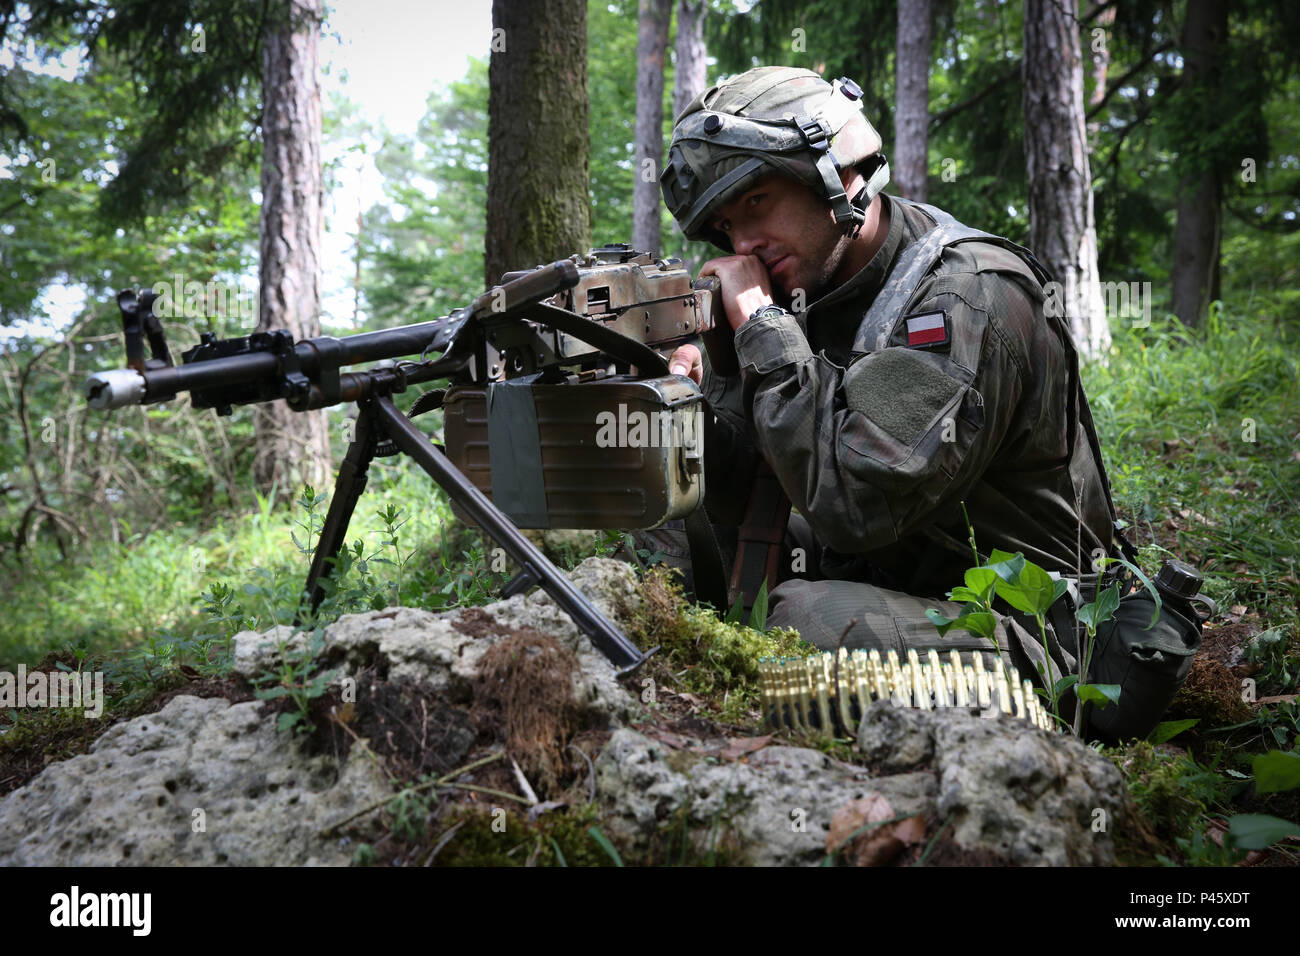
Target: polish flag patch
[926, 330]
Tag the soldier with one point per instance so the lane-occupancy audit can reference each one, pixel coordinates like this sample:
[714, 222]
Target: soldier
[889, 366]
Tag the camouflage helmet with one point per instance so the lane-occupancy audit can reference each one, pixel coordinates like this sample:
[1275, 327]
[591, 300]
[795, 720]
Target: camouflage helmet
[772, 118]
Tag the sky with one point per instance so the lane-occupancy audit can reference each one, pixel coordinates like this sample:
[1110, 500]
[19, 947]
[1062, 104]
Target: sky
[387, 56]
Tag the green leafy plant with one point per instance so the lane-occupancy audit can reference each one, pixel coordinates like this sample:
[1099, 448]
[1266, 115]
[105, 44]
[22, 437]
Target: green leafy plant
[1258, 831]
[311, 522]
[1200, 850]
[1279, 664]
[1276, 770]
[392, 540]
[757, 613]
[298, 677]
[363, 855]
[1169, 729]
[410, 809]
[643, 558]
[598, 835]
[464, 579]
[1030, 589]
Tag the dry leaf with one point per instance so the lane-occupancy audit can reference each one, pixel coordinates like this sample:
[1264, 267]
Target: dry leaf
[876, 844]
[667, 738]
[737, 747]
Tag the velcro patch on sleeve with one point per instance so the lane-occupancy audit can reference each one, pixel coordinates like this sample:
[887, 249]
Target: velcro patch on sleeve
[902, 393]
[927, 330]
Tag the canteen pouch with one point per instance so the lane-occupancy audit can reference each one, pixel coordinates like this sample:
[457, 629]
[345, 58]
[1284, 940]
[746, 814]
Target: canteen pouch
[1149, 665]
[614, 453]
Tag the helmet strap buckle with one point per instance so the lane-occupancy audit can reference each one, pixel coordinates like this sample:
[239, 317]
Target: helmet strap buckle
[815, 133]
[860, 201]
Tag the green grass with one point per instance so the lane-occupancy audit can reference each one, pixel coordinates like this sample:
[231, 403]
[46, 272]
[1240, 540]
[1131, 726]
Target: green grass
[1201, 428]
[118, 597]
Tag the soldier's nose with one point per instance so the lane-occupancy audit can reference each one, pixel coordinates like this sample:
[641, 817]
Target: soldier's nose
[747, 244]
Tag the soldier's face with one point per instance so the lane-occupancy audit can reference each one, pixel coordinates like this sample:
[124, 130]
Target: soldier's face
[792, 230]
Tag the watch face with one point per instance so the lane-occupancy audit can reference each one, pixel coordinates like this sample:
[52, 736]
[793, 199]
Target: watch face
[764, 311]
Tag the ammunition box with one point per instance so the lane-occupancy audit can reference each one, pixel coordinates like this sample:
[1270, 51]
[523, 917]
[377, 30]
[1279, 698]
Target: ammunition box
[611, 453]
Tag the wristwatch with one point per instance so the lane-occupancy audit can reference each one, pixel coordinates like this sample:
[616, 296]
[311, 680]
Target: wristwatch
[763, 311]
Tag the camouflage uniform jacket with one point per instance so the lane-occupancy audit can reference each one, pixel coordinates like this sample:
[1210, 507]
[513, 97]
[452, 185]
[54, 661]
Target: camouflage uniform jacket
[878, 449]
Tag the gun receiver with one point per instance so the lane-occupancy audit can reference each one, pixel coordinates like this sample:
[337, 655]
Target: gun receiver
[600, 316]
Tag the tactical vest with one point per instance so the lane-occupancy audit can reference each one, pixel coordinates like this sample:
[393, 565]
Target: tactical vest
[895, 300]
[1148, 658]
[762, 530]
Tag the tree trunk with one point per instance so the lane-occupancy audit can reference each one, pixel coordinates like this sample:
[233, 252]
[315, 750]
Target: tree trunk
[651, 44]
[691, 70]
[538, 156]
[1062, 231]
[1200, 213]
[1099, 45]
[291, 448]
[912, 107]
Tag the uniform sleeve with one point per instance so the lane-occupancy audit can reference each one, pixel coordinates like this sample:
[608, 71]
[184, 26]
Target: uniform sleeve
[872, 452]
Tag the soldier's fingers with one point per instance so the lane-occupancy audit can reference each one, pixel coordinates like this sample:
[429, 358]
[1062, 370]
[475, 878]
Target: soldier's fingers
[686, 361]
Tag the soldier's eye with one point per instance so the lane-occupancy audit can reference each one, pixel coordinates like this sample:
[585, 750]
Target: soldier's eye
[722, 225]
[754, 200]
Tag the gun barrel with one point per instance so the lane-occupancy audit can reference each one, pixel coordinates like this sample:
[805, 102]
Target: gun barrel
[382, 344]
[260, 372]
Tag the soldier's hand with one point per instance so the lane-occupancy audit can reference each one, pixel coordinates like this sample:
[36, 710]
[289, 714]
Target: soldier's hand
[686, 361]
[745, 285]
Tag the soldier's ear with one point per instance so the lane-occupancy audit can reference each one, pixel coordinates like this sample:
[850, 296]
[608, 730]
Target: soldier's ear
[851, 180]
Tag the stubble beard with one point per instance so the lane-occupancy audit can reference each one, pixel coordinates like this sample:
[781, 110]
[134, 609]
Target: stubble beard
[822, 267]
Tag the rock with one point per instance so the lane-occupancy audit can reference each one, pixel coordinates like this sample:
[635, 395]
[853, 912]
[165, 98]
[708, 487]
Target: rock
[1027, 796]
[559, 544]
[1003, 791]
[777, 806]
[1007, 792]
[442, 650]
[133, 798]
[257, 652]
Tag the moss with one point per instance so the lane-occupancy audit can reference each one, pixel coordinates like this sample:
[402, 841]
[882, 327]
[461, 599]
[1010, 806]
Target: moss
[1211, 692]
[1156, 782]
[706, 656]
[1172, 794]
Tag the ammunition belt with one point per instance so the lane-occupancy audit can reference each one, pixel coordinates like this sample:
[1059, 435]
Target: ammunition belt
[813, 694]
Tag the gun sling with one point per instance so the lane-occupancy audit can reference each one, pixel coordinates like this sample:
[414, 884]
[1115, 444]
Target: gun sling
[758, 547]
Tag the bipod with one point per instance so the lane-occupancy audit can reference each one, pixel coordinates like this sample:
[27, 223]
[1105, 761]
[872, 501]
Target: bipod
[382, 428]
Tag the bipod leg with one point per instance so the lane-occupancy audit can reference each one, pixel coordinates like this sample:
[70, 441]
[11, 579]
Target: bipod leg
[525, 580]
[611, 642]
[351, 481]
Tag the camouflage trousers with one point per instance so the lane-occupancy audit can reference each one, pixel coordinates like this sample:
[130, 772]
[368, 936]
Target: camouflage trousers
[822, 611]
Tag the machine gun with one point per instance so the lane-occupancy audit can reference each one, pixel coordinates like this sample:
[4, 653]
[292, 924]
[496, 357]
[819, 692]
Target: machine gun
[541, 368]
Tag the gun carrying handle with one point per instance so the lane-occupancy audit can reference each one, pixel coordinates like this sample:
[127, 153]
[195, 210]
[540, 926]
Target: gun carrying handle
[719, 341]
[530, 287]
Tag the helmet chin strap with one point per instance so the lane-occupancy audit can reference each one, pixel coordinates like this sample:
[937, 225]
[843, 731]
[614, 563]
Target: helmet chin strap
[863, 197]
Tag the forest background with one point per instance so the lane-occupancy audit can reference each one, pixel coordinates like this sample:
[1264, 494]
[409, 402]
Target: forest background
[145, 538]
